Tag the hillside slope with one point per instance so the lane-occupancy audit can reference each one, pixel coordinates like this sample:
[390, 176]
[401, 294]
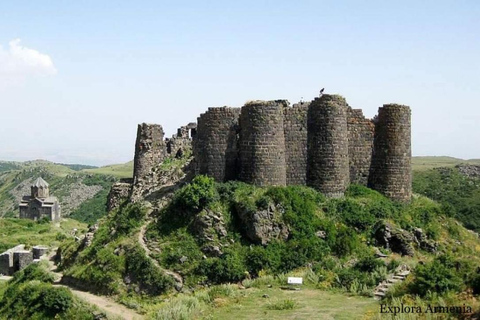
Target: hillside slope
[215, 233]
[82, 194]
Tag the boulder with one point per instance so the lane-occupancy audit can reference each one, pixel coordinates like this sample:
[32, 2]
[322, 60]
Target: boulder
[423, 242]
[394, 238]
[263, 226]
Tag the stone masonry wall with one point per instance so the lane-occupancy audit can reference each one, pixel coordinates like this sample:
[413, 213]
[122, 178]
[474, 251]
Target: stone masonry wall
[295, 129]
[328, 169]
[262, 143]
[150, 150]
[215, 144]
[360, 145]
[181, 142]
[391, 172]
[21, 259]
[118, 193]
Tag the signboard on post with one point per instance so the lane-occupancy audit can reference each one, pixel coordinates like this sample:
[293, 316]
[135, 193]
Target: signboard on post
[294, 280]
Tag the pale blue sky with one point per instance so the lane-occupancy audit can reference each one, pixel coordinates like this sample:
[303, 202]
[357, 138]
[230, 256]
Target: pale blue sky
[101, 67]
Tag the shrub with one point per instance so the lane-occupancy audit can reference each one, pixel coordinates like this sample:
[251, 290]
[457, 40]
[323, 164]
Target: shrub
[198, 194]
[150, 277]
[369, 264]
[345, 242]
[355, 215]
[476, 284]
[438, 276]
[56, 300]
[227, 268]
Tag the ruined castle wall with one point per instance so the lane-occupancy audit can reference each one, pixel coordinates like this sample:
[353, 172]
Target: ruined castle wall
[262, 144]
[328, 167]
[181, 142]
[150, 150]
[391, 172]
[215, 143]
[360, 145]
[119, 192]
[295, 129]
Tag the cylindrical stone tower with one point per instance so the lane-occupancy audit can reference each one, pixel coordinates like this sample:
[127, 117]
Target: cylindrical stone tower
[150, 150]
[262, 143]
[391, 171]
[328, 169]
[215, 143]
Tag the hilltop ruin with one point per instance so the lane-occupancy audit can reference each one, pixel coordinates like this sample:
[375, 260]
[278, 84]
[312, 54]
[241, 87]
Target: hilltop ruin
[324, 144]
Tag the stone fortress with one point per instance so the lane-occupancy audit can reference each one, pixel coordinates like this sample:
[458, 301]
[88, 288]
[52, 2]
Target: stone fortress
[39, 203]
[324, 144]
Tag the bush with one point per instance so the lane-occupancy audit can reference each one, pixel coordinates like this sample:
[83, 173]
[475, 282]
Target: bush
[144, 271]
[56, 300]
[197, 195]
[355, 215]
[345, 241]
[438, 276]
[227, 268]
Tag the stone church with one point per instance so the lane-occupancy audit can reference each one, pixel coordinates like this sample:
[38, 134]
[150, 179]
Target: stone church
[39, 204]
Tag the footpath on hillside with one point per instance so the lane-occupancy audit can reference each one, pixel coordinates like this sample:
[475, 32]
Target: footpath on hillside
[112, 309]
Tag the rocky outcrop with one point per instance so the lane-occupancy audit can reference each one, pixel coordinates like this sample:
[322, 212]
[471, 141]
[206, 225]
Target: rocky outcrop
[423, 242]
[394, 238]
[209, 227]
[263, 226]
[469, 170]
[88, 238]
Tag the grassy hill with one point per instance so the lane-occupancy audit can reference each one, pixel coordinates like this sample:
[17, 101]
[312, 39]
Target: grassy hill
[124, 170]
[21, 231]
[82, 190]
[430, 162]
[331, 244]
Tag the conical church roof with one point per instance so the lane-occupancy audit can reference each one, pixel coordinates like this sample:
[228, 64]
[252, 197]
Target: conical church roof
[40, 183]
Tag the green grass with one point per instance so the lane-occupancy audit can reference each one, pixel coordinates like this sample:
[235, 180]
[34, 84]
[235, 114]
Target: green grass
[22, 231]
[265, 303]
[124, 170]
[426, 163]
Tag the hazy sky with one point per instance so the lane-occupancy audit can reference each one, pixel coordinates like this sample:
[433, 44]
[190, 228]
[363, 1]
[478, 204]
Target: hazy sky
[76, 77]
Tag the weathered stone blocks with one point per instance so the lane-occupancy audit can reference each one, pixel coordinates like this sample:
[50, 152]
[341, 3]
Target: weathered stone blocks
[21, 259]
[328, 169]
[150, 150]
[118, 193]
[391, 172]
[262, 143]
[360, 145]
[39, 251]
[215, 144]
[295, 130]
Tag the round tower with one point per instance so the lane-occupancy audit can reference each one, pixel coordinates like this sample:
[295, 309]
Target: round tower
[150, 150]
[215, 143]
[328, 169]
[391, 171]
[262, 143]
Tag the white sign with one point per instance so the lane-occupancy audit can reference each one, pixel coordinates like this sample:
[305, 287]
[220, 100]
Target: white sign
[294, 280]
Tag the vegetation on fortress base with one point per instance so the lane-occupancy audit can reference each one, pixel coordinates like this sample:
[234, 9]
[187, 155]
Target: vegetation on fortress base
[330, 242]
[30, 295]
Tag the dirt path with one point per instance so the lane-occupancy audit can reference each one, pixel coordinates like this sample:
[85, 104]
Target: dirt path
[112, 309]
